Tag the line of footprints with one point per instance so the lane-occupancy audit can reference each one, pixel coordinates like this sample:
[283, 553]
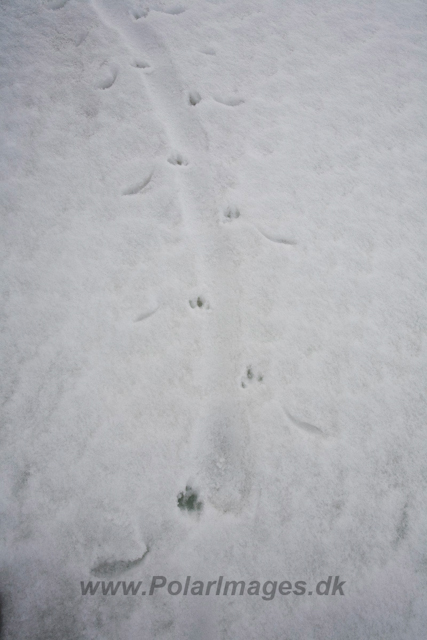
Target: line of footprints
[187, 500]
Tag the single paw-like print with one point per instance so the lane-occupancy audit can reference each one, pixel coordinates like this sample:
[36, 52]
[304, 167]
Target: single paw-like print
[250, 377]
[188, 500]
[199, 303]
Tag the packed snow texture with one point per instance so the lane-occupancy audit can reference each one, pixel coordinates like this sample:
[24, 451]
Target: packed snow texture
[214, 315]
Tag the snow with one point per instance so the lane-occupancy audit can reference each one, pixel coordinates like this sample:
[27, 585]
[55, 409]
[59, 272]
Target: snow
[214, 277]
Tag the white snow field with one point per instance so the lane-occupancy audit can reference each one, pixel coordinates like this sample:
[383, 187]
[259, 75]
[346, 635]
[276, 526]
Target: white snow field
[213, 317]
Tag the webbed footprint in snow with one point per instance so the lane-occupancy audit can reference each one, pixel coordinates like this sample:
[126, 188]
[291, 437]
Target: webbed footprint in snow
[199, 303]
[188, 500]
[250, 377]
[231, 213]
[178, 159]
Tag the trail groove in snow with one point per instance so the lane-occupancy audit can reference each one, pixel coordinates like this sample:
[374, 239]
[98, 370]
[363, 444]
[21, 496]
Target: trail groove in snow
[214, 257]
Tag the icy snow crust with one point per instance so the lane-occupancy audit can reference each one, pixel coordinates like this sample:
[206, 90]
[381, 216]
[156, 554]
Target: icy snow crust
[214, 277]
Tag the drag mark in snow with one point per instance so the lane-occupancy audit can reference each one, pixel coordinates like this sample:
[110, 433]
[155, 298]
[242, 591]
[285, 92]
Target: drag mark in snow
[147, 314]
[137, 188]
[274, 238]
[106, 569]
[233, 101]
[306, 426]
[178, 159]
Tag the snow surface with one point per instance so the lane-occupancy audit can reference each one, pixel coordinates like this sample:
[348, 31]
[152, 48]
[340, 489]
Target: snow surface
[214, 276]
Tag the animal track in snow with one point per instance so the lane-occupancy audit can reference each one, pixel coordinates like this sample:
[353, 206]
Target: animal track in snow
[56, 4]
[189, 500]
[250, 377]
[274, 238]
[231, 213]
[178, 159]
[305, 426]
[116, 567]
[109, 78]
[140, 64]
[137, 14]
[194, 98]
[199, 303]
[146, 314]
[137, 188]
[232, 101]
